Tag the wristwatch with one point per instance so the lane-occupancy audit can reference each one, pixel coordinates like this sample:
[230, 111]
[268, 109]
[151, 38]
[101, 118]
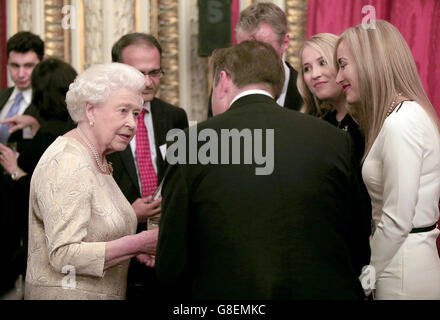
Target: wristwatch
[14, 175]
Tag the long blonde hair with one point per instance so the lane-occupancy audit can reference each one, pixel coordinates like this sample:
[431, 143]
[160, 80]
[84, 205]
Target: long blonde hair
[385, 67]
[325, 44]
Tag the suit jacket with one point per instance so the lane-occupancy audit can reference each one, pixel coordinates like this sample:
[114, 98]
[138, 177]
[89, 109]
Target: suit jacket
[13, 223]
[4, 96]
[293, 99]
[30, 110]
[14, 215]
[165, 117]
[298, 233]
[11, 235]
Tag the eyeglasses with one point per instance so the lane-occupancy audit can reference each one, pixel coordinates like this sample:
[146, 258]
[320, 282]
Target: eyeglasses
[156, 74]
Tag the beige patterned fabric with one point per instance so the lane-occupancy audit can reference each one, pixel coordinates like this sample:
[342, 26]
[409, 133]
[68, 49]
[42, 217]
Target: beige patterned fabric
[74, 211]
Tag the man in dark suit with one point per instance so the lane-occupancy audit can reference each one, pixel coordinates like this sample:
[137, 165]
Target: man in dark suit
[143, 52]
[24, 51]
[288, 227]
[266, 22]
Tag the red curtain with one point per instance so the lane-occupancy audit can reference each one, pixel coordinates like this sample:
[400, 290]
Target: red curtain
[235, 13]
[3, 60]
[417, 20]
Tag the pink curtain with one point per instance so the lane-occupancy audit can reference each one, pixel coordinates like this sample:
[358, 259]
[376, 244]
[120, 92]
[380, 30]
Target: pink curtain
[235, 13]
[417, 20]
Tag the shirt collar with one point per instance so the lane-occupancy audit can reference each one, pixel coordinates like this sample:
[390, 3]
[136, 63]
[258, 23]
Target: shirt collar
[248, 92]
[287, 76]
[27, 95]
[282, 98]
[147, 106]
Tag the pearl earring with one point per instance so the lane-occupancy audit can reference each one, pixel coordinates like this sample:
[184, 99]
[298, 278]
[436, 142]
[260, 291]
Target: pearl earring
[91, 123]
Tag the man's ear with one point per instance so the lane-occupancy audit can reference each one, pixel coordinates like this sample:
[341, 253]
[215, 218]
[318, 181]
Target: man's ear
[285, 44]
[224, 83]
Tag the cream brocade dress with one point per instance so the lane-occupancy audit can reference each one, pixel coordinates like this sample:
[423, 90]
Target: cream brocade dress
[74, 211]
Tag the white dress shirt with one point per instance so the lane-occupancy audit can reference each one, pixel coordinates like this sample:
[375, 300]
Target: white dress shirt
[249, 92]
[282, 97]
[27, 97]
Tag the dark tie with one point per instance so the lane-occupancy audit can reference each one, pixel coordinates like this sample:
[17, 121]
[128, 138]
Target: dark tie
[4, 130]
[143, 155]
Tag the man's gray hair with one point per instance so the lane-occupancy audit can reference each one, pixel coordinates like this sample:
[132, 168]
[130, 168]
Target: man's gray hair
[263, 12]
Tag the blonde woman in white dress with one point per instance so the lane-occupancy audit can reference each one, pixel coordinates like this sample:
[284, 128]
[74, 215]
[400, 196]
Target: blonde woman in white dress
[81, 227]
[401, 162]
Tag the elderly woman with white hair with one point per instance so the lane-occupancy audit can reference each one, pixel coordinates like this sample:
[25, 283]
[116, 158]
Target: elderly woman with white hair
[81, 227]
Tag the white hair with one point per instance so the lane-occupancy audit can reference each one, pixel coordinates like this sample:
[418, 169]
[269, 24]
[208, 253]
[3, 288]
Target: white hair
[97, 83]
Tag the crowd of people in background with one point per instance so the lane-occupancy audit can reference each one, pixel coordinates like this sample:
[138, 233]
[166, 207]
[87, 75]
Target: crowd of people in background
[349, 210]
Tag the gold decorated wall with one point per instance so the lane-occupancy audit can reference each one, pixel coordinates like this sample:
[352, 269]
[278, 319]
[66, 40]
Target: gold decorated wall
[296, 11]
[165, 27]
[57, 39]
[81, 32]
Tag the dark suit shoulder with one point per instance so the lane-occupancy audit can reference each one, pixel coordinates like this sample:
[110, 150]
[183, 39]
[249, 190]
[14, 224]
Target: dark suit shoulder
[316, 128]
[6, 91]
[156, 102]
[293, 98]
[259, 111]
[164, 110]
[4, 96]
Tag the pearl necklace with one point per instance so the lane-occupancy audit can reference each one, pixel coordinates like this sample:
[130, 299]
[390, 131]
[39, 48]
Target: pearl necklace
[391, 108]
[108, 168]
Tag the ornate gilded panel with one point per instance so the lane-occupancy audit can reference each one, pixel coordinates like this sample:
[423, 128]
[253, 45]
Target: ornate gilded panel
[124, 17]
[24, 12]
[199, 72]
[296, 11]
[168, 36]
[56, 39]
[93, 33]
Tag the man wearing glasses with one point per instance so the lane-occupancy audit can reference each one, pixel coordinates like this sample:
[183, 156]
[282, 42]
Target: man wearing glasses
[139, 169]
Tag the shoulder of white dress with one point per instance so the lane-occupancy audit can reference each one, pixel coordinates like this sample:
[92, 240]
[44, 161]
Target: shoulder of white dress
[408, 114]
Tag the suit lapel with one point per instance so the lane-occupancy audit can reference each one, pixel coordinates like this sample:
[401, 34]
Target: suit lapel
[159, 127]
[4, 96]
[128, 161]
[293, 99]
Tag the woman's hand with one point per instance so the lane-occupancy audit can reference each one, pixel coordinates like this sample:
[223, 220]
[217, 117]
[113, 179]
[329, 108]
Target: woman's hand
[8, 159]
[19, 122]
[149, 241]
[122, 249]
